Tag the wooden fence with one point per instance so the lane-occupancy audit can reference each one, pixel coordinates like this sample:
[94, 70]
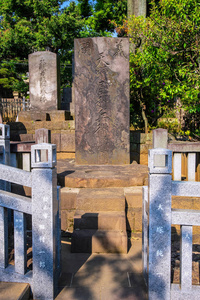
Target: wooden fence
[10, 107]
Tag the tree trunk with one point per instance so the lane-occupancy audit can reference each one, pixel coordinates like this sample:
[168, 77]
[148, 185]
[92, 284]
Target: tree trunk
[146, 126]
[137, 8]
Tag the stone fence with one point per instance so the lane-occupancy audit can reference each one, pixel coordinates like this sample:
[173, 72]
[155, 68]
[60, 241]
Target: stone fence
[43, 206]
[158, 217]
[186, 156]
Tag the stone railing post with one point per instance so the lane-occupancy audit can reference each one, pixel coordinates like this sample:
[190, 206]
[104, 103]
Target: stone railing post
[160, 140]
[5, 155]
[5, 214]
[159, 258]
[44, 221]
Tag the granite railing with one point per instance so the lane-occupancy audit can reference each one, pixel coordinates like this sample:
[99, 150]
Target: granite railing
[186, 156]
[43, 206]
[158, 217]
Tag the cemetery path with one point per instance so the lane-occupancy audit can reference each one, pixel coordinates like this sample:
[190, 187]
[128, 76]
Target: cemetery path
[102, 276]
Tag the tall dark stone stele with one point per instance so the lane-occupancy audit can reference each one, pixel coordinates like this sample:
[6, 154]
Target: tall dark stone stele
[101, 86]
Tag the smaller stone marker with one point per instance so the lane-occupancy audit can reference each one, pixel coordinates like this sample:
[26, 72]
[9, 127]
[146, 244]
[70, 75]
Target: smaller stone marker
[44, 87]
[42, 135]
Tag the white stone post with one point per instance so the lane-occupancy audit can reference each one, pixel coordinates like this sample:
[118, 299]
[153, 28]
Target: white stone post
[44, 221]
[5, 155]
[160, 140]
[191, 161]
[177, 169]
[159, 262]
[4, 212]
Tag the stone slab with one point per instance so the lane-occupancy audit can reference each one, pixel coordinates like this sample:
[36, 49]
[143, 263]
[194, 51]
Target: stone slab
[26, 137]
[101, 86]
[28, 116]
[58, 115]
[67, 141]
[133, 197]
[68, 197]
[21, 146]
[94, 200]
[67, 220]
[65, 156]
[14, 291]
[97, 241]
[74, 176]
[44, 87]
[113, 220]
[184, 147]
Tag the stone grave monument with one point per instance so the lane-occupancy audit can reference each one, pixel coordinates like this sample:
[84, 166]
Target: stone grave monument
[45, 104]
[101, 87]
[44, 83]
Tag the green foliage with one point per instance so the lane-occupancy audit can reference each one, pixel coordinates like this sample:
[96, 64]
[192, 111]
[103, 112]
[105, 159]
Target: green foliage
[35, 25]
[12, 75]
[104, 15]
[165, 63]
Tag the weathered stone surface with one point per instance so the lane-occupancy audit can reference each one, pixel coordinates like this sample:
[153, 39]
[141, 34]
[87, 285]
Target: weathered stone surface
[107, 220]
[42, 135]
[26, 137]
[65, 155]
[102, 101]
[160, 138]
[28, 116]
[44, 81]
[97, 241]
[21, 147]
[133, 196]
[55, 139]
[68, 198]
[13, 291]
[67, 220]
[67, 141]
[92, 200]
[184, 146]
[100, 176]
[58, 115]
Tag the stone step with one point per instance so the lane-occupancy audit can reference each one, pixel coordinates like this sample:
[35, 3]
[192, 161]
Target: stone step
[114, 220]
[100, 176]
[14, 291]
[97, 241]
[104, 199]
